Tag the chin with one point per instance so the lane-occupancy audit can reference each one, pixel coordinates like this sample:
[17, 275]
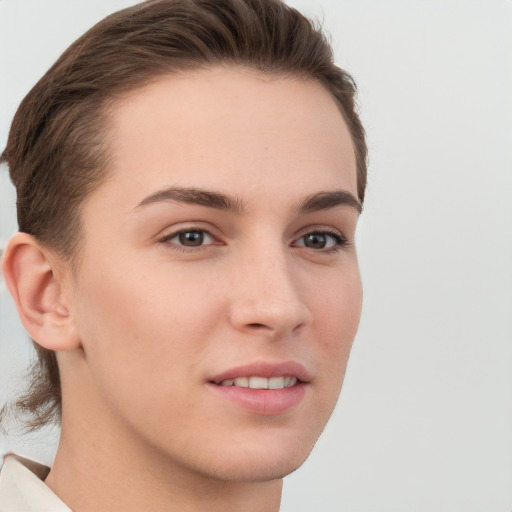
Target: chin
[252, 471]
[256, 464]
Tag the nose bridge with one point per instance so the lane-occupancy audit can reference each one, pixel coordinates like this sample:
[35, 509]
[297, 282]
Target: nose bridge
[267, 293]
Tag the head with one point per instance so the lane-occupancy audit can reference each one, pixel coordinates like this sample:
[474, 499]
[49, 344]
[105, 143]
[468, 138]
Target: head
[202, 139]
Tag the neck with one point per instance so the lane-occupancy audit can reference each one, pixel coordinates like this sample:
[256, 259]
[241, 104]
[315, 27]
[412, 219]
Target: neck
[88, 473]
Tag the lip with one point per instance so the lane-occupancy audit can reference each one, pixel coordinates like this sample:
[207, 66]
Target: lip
[263, 401]
[265, 369]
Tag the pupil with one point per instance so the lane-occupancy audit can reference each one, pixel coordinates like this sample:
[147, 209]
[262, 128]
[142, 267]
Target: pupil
[315, 241]
[191, 238]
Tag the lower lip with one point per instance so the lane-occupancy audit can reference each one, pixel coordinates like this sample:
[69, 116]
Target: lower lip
[262, 401]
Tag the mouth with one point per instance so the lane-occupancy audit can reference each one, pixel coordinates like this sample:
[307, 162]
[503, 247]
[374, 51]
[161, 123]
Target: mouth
[263, 388]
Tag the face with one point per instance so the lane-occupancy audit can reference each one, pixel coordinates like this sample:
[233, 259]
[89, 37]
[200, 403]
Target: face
[218, 292]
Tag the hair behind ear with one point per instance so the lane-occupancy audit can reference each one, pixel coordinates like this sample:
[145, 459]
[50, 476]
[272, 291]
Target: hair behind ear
[40, 403]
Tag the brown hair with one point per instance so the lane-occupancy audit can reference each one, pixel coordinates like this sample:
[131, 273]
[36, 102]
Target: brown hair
[56, 151]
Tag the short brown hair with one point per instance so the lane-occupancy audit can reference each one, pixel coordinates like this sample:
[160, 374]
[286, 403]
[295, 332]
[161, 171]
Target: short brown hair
[56, 150]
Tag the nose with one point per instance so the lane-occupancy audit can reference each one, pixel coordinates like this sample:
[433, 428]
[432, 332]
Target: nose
[266, 296]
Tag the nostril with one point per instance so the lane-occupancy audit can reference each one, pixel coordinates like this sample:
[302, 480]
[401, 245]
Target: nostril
[257, 326]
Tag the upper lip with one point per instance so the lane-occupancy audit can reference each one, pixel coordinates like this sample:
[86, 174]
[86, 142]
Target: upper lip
[265, 369]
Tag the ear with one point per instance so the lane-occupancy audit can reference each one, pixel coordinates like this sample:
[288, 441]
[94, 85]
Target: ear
[37, 287]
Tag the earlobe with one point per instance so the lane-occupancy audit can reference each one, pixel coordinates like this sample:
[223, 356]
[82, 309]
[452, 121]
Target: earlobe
[37, 289]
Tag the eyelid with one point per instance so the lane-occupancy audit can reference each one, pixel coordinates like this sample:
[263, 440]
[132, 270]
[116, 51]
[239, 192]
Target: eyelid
[166, 239]
[341, 241]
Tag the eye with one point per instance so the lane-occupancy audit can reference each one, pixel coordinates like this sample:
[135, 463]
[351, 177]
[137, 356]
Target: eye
[321, 240]
[189, 238]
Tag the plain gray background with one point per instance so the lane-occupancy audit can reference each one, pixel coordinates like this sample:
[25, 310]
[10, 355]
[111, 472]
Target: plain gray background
[424, 422]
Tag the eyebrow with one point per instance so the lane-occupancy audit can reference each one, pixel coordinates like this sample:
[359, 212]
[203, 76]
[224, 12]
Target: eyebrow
[196, 196]
[327, 200]
[313, 203]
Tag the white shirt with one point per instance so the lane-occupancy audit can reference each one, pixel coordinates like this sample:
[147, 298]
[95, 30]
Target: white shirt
[22, 488]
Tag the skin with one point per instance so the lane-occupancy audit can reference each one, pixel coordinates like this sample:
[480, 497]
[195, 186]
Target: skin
[146, 322]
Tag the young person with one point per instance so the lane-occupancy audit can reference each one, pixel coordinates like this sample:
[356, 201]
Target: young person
[189, 177]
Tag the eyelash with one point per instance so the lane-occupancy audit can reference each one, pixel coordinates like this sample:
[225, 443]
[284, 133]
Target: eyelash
[339, 241]
[187, 248]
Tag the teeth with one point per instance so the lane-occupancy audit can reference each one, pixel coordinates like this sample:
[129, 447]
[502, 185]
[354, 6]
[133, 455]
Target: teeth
[258, 383]
[242, 382]
[261, 382]
[276, 383]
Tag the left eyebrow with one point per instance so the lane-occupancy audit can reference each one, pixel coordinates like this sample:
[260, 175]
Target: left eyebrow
[327, 200]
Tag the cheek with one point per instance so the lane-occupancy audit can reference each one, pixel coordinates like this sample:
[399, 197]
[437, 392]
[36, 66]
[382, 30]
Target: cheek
[136, 323]
[336, 303]
[336, 319]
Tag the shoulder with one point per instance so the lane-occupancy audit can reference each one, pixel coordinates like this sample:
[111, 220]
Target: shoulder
[22, 487]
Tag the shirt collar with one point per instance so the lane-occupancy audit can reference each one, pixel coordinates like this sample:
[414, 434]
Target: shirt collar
[22, 487]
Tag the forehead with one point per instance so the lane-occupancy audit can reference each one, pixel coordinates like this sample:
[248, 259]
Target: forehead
[230, 127]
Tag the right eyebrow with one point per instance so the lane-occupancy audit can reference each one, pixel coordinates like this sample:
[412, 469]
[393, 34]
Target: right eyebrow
[201, 197]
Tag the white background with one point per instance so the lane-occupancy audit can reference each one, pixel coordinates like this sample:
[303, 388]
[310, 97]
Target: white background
[424, 421]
